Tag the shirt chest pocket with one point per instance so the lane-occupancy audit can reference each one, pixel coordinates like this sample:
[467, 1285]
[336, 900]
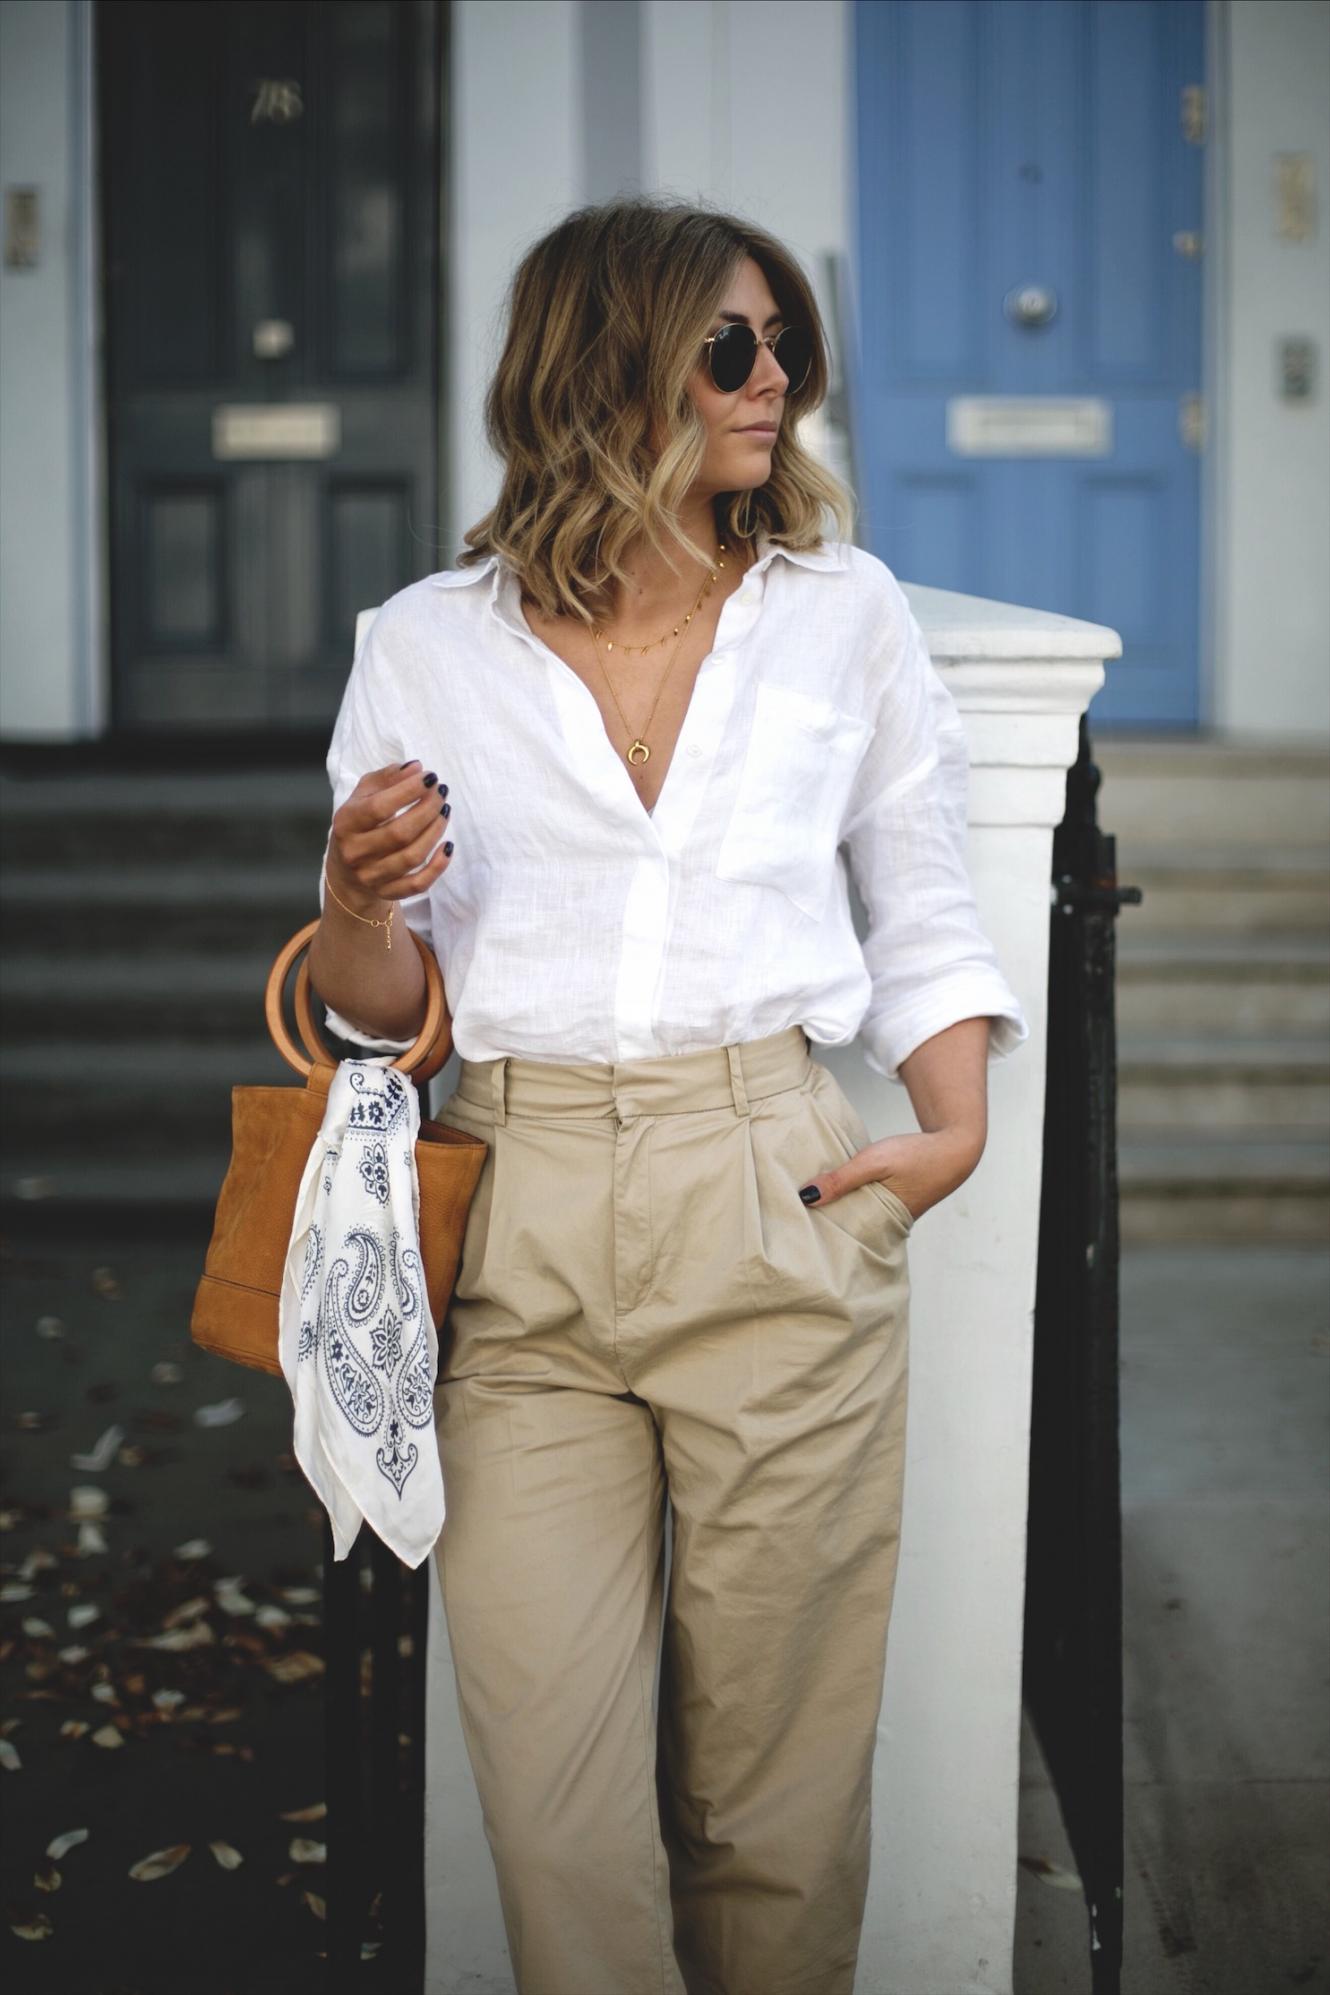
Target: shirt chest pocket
[785, 826]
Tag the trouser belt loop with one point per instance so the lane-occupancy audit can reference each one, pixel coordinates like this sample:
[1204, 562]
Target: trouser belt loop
[737, 1080]
[497, 1073]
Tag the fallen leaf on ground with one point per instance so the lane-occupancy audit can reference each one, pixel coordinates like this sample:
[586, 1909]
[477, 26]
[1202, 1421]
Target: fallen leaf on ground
[227, 1855]
[222, 1413]
[229, 1596]
[161, 1863]
[32, 1926]
[294, 1668]
[197, 1636]
[187, 1610]
[62, 1844]
[1051, 1873]
[102, 1453]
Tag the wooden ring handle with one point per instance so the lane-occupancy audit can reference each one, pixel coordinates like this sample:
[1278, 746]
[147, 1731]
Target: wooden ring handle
[415, 1056]
[313, 1038]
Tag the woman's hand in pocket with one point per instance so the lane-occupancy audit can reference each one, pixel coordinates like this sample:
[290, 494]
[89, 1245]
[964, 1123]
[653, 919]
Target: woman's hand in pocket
[922, 1169]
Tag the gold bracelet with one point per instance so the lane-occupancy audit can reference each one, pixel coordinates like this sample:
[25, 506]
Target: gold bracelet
[374, 921]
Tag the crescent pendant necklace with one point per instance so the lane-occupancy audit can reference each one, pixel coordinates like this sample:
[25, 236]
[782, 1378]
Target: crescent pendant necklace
[638, 752]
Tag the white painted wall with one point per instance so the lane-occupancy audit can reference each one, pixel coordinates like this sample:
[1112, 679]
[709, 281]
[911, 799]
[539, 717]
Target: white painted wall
[515, 118]
[52, 647]
[1270, 574]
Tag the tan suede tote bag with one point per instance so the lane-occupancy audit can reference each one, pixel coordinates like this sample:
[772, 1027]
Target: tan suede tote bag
[273, 1129]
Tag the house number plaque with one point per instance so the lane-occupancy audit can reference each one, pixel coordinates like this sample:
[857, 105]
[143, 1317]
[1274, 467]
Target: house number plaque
[276, 100]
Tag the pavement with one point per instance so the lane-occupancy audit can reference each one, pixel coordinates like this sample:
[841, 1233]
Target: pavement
[194, 1527]
[1225, 1434]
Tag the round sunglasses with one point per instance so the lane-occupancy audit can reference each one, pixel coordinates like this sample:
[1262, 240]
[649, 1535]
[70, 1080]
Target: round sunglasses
[732, 354]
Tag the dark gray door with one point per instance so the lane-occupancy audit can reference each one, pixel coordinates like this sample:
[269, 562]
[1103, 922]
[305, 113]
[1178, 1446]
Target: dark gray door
[271, 196]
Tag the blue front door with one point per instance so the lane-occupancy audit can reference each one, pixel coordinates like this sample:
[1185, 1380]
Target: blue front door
[1029, 289]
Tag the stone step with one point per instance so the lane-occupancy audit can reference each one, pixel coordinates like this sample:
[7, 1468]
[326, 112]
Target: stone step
[131, 1098]
[1222, 1082]
[1195, 984]
[1225, 890]
[115, 819]
[190, 906]
[186, 1182]
[199, 995]
[1262, 1186]
[1203, 792]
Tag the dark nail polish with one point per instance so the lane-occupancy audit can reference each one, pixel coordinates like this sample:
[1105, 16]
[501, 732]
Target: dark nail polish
[447, 848]
[443, 789]
[446, 811]
[430, 779]
[810, 1194]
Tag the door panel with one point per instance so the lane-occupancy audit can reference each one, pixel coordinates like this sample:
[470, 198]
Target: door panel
[270, 179]
[1028, 175]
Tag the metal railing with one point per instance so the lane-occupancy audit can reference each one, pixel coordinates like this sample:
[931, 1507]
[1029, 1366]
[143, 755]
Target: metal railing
[374, 1757]
[1073, 1604]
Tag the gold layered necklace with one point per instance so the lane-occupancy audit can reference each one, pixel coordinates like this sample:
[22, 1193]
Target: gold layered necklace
[638, 751]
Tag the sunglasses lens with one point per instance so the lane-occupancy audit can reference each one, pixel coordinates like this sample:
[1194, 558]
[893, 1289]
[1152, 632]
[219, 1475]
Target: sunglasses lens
[733, 352]
[794, 354]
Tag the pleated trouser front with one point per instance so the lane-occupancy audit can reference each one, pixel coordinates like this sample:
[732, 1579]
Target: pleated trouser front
[645, 1311]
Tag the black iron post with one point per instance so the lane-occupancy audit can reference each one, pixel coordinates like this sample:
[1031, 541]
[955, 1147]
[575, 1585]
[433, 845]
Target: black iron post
[1073, 1607]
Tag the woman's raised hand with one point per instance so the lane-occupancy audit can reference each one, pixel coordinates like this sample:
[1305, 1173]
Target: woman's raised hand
[383, 845]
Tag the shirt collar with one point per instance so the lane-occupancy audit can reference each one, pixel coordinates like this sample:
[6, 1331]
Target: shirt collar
[831, 556]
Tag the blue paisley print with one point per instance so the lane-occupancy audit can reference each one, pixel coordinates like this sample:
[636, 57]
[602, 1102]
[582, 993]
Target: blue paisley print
[364, 1318]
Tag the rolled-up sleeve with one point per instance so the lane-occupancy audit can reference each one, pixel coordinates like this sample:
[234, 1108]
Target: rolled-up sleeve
[930, 962]
[369, 733]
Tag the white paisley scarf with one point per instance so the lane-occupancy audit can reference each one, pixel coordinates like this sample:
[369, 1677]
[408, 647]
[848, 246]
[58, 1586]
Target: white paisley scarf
[358, 1346]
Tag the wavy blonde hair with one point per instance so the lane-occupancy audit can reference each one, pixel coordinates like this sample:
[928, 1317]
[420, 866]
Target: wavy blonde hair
[606, 318]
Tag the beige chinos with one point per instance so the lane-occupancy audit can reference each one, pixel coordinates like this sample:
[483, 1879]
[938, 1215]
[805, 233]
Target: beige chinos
[646, 1310]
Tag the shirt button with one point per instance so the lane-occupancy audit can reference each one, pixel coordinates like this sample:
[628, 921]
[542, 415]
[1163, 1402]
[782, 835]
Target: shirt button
[693, 749]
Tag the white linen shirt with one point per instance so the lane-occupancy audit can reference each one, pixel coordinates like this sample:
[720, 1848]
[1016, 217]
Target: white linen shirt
[572, 925]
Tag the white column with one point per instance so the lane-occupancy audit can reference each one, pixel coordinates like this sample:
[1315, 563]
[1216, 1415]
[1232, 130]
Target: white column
[53, 651]
[514, 120]
[940, 1918]
[942, 1895]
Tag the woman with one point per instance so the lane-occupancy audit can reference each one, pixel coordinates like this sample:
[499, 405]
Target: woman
[655, 701]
